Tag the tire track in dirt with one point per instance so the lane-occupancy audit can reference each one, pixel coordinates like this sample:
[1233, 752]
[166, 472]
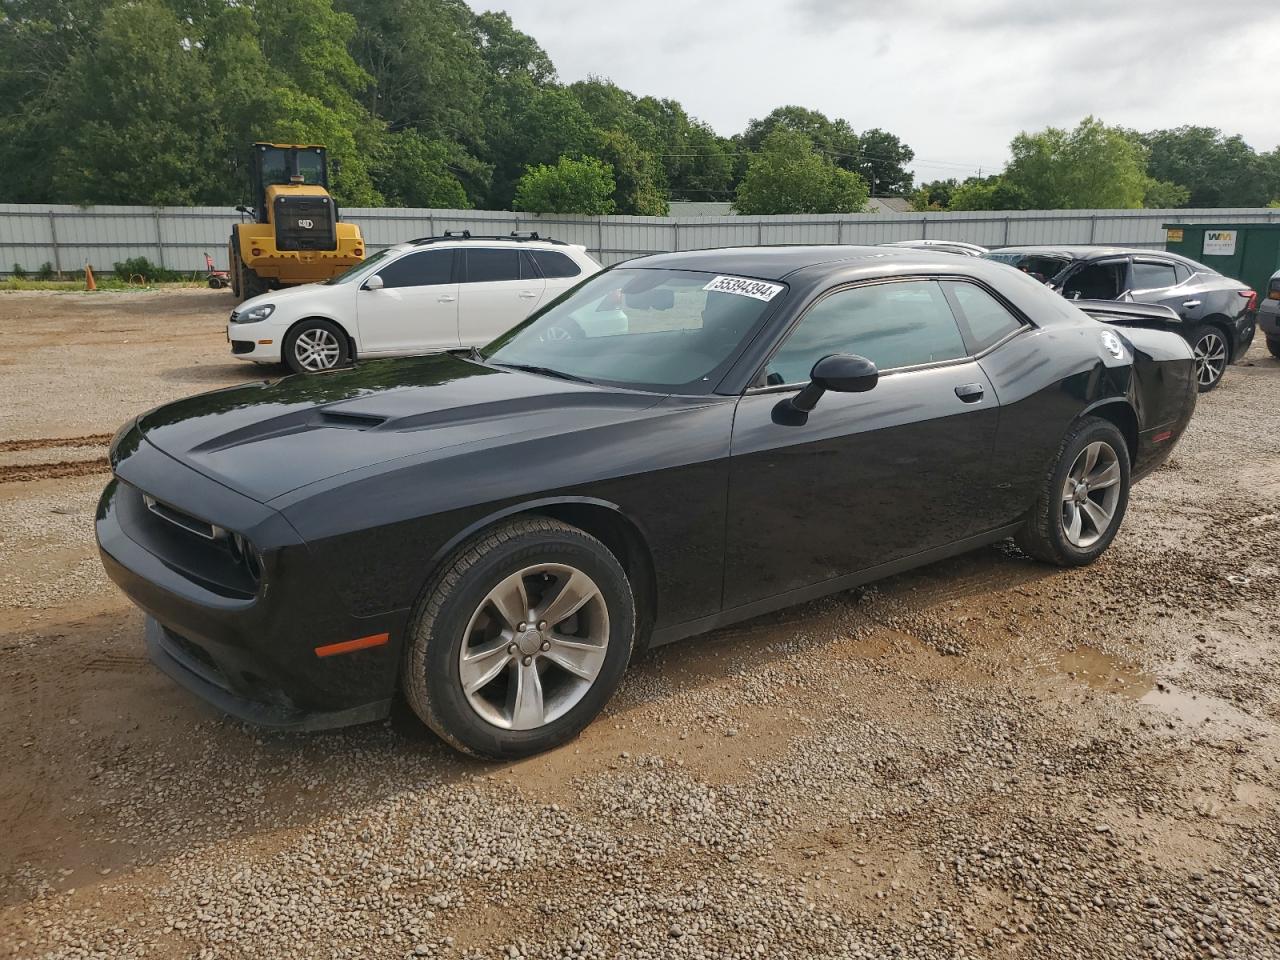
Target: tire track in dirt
[52, 471]
[44, 443]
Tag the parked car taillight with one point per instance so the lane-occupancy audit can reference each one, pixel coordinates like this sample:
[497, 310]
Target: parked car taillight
[1253, 299]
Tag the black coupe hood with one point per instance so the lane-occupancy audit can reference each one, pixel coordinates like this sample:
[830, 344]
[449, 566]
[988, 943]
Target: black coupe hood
[267, 438]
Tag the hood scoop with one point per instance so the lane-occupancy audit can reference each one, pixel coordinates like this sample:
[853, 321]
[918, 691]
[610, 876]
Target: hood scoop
[287, 425]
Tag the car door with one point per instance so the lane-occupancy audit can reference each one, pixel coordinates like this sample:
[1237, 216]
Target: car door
[500, 287]
[416, 308]
[870, 477]
[1156, 280]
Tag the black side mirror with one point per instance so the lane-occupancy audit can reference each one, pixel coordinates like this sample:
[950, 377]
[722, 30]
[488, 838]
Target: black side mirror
[842, 373]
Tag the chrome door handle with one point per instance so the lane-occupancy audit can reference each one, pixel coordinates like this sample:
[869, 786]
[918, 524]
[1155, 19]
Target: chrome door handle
[1191, 304]
[446, 299]
[527, 294]
[969, 392]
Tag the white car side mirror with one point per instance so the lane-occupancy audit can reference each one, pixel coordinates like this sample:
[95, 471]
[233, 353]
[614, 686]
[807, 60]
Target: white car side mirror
[373, 283]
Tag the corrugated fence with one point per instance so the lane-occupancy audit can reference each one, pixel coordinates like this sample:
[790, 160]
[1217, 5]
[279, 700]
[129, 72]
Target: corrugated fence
[177, 238]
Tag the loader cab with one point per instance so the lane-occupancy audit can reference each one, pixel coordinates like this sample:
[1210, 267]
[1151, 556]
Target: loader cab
[275, 164]
[291, 191]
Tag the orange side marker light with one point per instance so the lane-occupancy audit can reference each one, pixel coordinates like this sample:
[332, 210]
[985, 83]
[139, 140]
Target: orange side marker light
[347, 646]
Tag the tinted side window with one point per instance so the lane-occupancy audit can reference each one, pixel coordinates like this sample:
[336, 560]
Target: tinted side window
[1153, 276]
[988, 319]
[490, 265]
[893, 324]
[1097, 281]
[554, 264]
[419, 269]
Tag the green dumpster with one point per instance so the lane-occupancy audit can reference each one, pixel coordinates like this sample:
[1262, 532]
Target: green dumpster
[1249, 252]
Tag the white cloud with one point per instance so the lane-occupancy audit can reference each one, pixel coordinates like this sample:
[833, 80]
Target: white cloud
[956, 79]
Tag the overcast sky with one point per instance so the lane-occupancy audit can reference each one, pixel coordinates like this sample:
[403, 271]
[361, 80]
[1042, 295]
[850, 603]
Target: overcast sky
[955, 79]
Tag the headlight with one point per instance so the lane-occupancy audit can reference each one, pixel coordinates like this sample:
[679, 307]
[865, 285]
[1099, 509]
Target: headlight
[254, 314]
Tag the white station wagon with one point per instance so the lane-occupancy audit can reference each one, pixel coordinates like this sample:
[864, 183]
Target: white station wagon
[421, 296]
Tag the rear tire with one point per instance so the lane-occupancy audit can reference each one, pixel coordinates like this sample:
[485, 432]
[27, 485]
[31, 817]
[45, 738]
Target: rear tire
[1273, 346]
[314, 346]
[1072, 525]
[488, 687]
[1209, 344]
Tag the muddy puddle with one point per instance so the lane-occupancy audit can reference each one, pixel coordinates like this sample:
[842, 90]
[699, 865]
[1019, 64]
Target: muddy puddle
[1107, 673]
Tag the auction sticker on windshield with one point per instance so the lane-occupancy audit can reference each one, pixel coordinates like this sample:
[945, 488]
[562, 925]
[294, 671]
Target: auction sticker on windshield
[745, 288]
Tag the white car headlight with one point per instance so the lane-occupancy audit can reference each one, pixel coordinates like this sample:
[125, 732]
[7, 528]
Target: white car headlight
[254, 314]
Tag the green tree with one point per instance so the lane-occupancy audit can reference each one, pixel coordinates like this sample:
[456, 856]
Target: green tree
[883, 163]
[935, 195]
[569, 186]
[638, 191]
[989, 193]
[1163, 195]
[413, 171]
[507, 51]
[789, 176]
[134, 111]
[1219, 171]
[834, 139]
[1091, 166]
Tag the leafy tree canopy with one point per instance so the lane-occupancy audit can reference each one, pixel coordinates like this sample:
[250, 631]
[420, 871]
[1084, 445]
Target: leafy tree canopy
[788, 175]
[569, 186]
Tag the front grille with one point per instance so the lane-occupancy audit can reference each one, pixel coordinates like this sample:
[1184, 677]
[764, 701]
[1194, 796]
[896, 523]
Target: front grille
[305, 223]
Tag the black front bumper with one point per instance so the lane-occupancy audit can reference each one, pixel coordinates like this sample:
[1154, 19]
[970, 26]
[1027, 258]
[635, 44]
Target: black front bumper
[190, 666]
[247, 647]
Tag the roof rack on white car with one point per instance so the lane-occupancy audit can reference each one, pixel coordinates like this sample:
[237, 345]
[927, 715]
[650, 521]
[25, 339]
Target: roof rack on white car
[521, 236]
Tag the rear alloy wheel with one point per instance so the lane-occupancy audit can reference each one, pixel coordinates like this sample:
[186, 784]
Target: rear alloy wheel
[1083, 500]
[520, 639]
[1209, 345]
[314, 346]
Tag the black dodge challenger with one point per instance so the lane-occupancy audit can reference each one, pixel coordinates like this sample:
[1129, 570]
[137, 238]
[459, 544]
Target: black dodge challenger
[680, 442]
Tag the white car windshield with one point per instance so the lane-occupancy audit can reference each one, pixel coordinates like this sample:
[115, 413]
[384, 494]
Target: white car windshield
[672, 330]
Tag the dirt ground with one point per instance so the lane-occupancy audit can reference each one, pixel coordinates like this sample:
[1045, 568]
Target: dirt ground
[987, 757]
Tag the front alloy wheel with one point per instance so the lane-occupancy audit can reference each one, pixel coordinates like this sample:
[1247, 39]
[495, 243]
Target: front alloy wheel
[519, 639]
[1210, 349]
[534, 646]
[314, 346]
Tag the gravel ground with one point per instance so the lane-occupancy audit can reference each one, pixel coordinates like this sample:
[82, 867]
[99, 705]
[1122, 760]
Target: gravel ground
[983, 758]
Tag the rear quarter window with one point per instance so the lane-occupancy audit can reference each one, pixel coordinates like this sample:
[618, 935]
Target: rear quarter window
[554, 265]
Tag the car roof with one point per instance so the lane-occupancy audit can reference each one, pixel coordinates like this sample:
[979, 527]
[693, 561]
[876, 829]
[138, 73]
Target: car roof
[438, 242]
[780, 262]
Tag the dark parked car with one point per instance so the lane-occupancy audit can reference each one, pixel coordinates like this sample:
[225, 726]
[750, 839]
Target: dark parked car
[680, 442]
[1218, 313]
[1269, 315]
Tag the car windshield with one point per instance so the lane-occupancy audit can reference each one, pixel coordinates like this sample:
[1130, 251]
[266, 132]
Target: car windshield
[672, 330]
[1043, 267]
[360, 269]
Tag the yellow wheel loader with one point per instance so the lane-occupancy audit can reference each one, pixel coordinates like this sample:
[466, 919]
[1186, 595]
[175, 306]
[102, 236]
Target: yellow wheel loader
[295, 235]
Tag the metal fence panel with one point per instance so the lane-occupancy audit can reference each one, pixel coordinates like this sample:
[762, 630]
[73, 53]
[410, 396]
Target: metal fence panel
[68, 237]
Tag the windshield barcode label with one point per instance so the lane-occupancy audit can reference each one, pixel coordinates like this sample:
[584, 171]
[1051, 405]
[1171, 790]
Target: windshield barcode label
[745, 288]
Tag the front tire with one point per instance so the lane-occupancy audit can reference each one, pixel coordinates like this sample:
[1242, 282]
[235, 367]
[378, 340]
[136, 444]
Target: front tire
[314, 346]
[1209, 344]
[1083, 500]
[520, 639]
